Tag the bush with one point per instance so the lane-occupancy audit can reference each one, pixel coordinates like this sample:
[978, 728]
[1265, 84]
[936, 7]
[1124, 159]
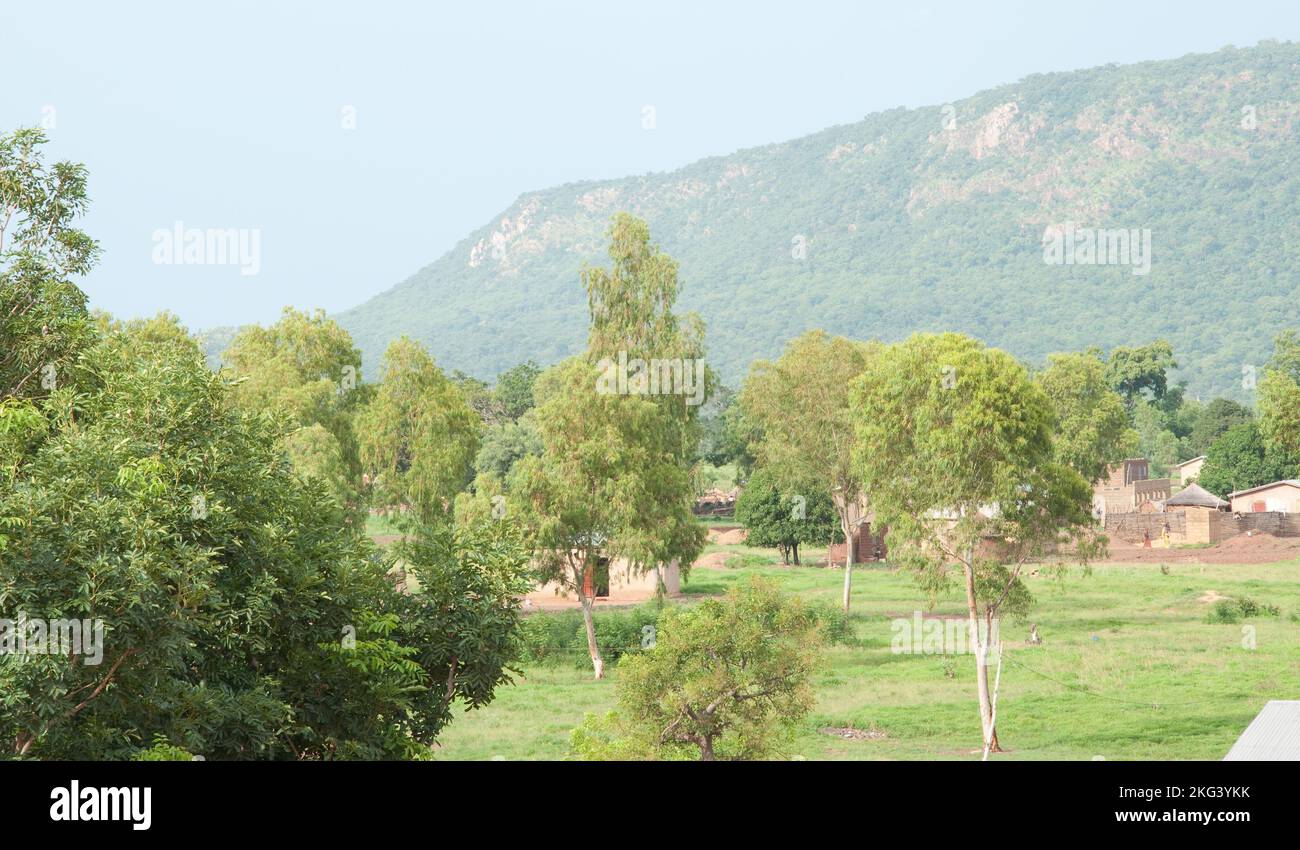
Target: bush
[163, 750]
[729, 678]
[1235, 610]
[559, 636]
[835, 625]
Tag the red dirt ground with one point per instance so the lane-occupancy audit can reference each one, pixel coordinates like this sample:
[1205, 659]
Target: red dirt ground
[1259, 548]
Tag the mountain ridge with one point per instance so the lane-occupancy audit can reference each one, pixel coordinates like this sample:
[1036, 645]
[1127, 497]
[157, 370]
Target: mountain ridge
[925, 219]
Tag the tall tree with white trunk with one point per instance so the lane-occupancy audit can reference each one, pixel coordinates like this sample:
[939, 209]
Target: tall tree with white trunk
[800, 404]
[613, 480]
[955, 445]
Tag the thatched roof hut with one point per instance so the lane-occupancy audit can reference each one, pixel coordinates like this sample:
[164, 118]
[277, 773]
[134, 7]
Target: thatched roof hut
[1195, 496]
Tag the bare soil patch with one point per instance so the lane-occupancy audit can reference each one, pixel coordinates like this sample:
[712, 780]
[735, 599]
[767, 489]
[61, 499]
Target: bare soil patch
[712, 561]
[848, 733]
[729, 537]
[1258, 548]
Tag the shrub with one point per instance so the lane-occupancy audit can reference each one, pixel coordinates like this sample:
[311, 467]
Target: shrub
[1229, 611]
[559, 636]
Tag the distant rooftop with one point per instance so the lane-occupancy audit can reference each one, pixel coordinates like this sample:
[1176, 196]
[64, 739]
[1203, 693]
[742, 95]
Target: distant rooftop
[1194, 495]
[1294, 482]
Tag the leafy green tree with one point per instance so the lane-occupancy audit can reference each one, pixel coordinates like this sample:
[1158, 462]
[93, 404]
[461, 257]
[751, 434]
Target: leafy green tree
[44, 323]
[602, 488]
[614, 479]
[241, 618]
[306, 368]
[480, 397]
[1279, 397]
[784, 520]
[1279, 412]
[1213, 420]
[1092, 429]
[1141, 371]
[955, 448]
[1286, 354]
[800, 405]
[418, 436]
[505, 444]
[1156, 439]
[1240, 459]
[514, 388]
[725, 679]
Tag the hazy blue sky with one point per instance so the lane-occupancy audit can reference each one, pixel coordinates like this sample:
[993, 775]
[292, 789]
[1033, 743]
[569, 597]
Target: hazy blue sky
[229, 115]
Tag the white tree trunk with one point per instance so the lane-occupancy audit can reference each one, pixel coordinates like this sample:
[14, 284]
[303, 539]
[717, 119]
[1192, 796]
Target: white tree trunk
[990, 733]
[993, 703]
[597, 663]
[847, 526]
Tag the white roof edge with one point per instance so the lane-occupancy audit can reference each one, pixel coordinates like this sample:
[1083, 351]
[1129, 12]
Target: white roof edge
[1293, 482]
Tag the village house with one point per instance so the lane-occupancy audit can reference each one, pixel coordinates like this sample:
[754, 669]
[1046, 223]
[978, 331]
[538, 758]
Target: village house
[1188, 470]
[1128, 489]
[614, 583]
[1280, 496]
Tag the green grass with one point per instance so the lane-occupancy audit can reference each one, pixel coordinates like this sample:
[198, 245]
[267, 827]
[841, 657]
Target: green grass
[1129, 669]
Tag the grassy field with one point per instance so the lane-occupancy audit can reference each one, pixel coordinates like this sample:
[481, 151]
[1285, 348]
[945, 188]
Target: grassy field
[1129, 669]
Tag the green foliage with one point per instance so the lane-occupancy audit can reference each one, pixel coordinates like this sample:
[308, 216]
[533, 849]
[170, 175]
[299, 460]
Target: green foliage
[1157, 441]
[305, 367]
[418, 436]
[463, 618]
[947, 429]
[1212, 421]
[558, 636]
[505, 444]
[614, 477]
[1092, 428]
[799, 407]
[514, 388]
[955, 447]
[784, 520]
[163, 750]
[44, 323]
[726, 679]
[1279, 397]
[1241, 459]
[1228, 611]
[242, 619]
[1141, 372]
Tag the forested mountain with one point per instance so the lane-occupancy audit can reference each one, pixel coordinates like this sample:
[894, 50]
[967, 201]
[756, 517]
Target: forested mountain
[928, 219]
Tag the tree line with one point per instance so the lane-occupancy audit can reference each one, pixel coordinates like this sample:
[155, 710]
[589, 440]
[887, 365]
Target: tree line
[216, 520]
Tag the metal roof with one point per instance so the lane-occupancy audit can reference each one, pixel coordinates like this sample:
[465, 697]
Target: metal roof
[1292, 482]
[1274, 734]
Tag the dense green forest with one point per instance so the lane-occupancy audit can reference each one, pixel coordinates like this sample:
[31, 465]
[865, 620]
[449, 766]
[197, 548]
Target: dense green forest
[925, 220]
